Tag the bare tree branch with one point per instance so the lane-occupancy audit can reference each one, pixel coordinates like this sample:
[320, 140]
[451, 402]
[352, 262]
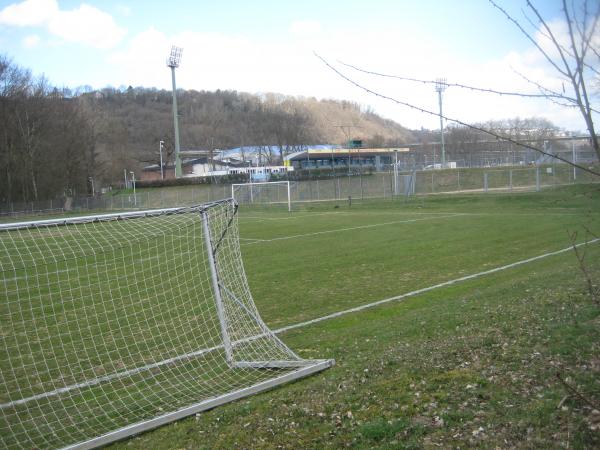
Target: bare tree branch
[458, 85]
[529, 37]
[575, 392]
[580, 255]
[457, 121]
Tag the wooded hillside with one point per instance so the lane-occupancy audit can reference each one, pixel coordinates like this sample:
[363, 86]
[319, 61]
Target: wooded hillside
[53, 142]
[131, 123]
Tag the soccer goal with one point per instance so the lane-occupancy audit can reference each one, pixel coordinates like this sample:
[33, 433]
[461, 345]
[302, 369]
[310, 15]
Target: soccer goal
[268, 192]
[115, 324]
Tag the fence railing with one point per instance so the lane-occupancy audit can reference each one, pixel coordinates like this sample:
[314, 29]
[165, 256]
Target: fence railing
[376, 185]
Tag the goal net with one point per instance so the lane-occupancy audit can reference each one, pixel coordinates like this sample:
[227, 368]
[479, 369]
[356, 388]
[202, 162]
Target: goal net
[266, 193]
[115, 324]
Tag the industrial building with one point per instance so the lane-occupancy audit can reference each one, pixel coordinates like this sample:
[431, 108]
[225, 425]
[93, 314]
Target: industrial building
[317, 158]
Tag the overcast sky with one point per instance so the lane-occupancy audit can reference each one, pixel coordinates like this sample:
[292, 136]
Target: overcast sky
[267, 46]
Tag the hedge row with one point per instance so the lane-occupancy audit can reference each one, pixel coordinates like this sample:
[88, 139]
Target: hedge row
[186, 181]
[320, 174]
[296, 175]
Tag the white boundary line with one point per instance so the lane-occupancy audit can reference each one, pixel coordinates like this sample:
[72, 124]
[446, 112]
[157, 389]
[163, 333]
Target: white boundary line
[430, 288]
[113, 376]
[360, 227]
[295, 216]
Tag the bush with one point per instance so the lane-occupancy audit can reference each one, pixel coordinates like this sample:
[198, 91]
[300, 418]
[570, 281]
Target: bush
[187, 181]
[320, 174]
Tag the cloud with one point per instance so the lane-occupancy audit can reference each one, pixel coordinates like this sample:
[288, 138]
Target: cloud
[85, 25]
[28, 13]
[305, 27]
[213, 61]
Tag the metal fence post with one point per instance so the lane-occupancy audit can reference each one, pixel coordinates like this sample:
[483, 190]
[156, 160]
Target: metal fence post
[537, 179]
[361, 186]
[510, 180]
[485, 182]
[414, 182]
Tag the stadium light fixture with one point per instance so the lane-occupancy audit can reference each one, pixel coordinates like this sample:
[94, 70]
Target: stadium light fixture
[440, 86]
[173, 62]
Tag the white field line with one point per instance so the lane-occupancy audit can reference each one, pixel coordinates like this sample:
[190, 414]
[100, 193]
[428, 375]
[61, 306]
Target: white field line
[295, 216]
[430, 288]
[360, 227]
[357, 213]
[129, 372]
[113, 376]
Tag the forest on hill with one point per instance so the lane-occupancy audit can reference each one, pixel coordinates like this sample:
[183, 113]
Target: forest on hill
[54, 142]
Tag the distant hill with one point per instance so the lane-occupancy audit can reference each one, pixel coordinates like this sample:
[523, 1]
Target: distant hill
[130, 123]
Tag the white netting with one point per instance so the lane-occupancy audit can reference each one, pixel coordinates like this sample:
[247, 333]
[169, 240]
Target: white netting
[113, 322]
[267, 193]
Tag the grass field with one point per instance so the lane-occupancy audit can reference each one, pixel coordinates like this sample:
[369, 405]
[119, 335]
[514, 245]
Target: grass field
[467, 364]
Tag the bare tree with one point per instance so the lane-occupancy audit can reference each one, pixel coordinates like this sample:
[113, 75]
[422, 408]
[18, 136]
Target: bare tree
[574, 59]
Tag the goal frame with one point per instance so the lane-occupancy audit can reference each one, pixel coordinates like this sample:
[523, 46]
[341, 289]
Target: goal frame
[251, 184]
[302, 367]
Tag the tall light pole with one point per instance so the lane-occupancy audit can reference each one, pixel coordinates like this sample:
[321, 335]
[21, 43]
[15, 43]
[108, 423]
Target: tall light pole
[173, 62]
[160, 147]
[440, 86]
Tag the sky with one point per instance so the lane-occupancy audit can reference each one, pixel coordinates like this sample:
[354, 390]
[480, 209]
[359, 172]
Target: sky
[260, 46]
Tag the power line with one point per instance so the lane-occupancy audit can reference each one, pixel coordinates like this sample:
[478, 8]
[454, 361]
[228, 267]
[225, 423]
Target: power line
[460, 122]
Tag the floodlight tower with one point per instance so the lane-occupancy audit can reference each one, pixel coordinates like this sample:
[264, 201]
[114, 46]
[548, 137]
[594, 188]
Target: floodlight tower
[440, 86]
[173, 62]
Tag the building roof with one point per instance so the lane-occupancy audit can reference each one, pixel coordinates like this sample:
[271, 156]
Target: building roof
[318, 153]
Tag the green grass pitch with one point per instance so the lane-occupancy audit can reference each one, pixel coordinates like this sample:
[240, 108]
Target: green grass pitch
[472, 364]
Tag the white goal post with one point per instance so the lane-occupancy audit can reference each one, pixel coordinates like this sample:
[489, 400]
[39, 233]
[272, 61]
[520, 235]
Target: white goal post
[267, 192]
[116, 324]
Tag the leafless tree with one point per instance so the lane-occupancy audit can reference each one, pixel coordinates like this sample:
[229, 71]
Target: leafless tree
[574, 58]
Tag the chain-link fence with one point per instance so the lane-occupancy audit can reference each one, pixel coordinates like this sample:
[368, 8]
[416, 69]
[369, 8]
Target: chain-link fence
[355, 186]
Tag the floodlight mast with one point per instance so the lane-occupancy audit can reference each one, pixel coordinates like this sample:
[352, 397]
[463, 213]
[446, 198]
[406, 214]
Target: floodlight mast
[440, 86]
[173, 62]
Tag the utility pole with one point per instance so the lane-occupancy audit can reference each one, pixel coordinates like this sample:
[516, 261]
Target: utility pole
[173, 62]
[440, 86]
